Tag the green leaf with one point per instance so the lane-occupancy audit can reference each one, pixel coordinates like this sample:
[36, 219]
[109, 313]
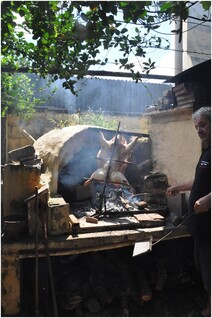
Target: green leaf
[20, 34]
[206, 4]
[123, 4]
[124, 30]
[165, 6]
[31, 45]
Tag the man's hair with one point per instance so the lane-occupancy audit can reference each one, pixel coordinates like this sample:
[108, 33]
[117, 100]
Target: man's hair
[205, 111]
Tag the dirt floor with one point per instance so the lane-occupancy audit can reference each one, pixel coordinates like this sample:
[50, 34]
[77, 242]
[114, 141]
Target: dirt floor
[111, 283]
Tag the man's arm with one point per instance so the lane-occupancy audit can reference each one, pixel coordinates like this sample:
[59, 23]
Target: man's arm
[173, 190]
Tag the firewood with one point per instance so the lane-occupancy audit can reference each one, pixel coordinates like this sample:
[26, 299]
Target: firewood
[73, 219]
[150, 219]
[28, 158]
[28, 136]
[146, 296]
[18, 153]
[92, 304]
[91, 219]
[144, 286]
[161, 274]
[142, 204]
[74, 223]
[33, 162]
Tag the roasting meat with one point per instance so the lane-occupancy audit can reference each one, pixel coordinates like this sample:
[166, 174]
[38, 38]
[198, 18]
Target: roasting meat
[120, 156]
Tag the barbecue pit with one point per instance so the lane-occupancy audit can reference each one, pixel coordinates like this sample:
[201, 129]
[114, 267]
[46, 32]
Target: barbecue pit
[64, 160]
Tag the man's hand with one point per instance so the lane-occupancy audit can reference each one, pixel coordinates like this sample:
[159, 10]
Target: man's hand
[171, 191]
[203, 204]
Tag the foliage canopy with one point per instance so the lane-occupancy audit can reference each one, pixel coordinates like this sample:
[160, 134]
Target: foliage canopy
[64, 37]
[18, 95]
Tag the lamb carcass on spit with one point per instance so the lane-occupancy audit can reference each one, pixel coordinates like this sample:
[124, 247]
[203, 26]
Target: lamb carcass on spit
[121, 153]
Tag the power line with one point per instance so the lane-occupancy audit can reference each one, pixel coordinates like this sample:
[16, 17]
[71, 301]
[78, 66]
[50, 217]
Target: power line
[181, 51]
[193, 27]
[176, 50]
[174, 34]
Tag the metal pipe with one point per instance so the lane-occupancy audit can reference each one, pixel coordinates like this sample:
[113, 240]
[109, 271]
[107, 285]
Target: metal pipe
[43, 218]
[36, 256]
[102, 197]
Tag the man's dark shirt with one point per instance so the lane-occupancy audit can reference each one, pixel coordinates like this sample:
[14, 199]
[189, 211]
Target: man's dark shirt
[199, 224]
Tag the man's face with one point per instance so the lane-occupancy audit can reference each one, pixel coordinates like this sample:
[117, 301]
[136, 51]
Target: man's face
[203, 127]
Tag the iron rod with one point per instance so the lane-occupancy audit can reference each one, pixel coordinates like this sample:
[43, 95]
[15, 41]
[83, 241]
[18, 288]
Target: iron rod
[36, 255]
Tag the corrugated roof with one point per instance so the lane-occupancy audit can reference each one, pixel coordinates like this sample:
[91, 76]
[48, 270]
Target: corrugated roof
[198, 73]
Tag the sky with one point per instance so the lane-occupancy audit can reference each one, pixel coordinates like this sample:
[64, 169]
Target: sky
[164, 61]
[164, 58]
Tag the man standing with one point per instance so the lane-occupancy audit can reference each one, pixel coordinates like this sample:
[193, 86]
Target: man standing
[198, 221]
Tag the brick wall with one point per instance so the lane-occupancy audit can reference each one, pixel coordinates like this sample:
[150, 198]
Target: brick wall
[42, 122]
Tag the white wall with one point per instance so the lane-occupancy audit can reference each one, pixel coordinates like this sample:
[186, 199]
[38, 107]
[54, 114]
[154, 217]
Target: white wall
[196, 42]
[175, 144]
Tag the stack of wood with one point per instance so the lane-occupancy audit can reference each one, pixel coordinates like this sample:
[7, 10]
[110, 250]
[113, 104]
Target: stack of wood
[100, 283]
[166, 101]
[25, 155]
[190, 95]
[110, 283]
[155, 185]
